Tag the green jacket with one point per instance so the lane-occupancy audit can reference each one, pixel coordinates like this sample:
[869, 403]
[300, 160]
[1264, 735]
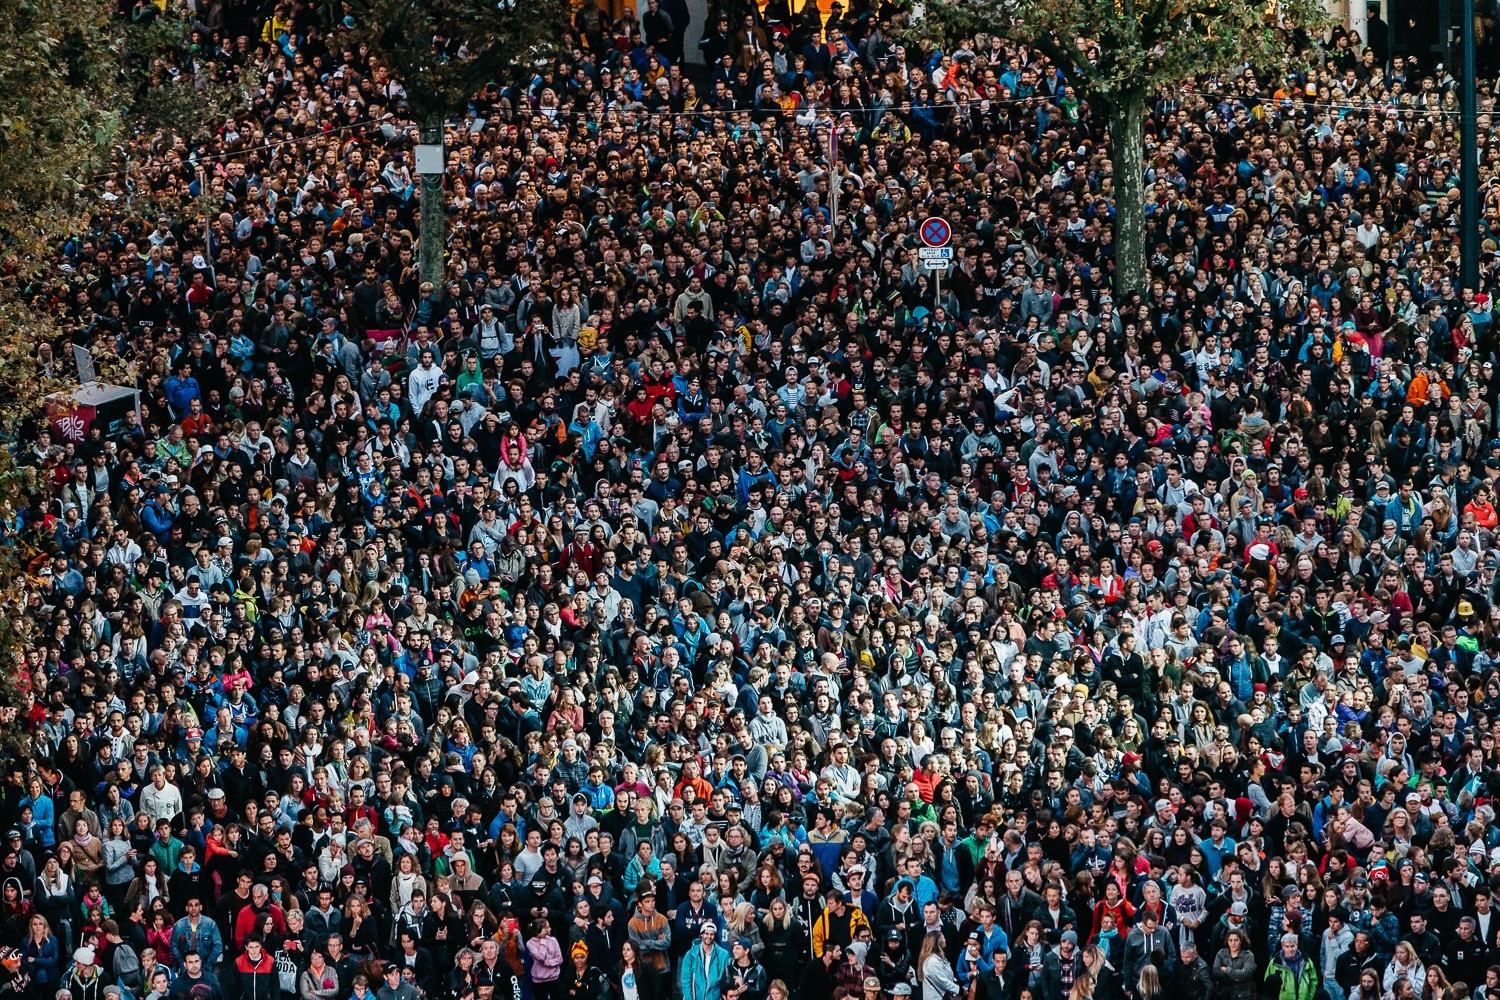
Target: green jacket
[975, 848]
[1299, 985]
[167, 854]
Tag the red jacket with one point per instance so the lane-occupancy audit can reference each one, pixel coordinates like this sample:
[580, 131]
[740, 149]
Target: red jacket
[248, 922]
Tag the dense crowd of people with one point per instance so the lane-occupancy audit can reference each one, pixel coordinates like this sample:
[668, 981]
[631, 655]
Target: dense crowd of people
[692, 595]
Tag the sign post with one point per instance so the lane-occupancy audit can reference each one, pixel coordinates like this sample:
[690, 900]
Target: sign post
[935, 255]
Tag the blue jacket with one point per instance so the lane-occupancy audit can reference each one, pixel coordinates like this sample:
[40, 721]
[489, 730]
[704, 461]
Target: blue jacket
[989, 944]
[210, 943]
[601, 797]
[970, 969]
[181, 392]
[43, 818]
[926, 891]
[700, 977]
[748, 479]
[157, 519]
[40, 961]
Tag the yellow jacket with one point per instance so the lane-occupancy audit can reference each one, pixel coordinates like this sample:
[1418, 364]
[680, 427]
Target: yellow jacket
[821, 928]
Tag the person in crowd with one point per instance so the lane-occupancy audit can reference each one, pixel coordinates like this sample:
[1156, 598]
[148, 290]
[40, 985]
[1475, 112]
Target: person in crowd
[680, 583]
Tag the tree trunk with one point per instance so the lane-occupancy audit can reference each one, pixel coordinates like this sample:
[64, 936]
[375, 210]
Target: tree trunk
[432, 239]
[1127, 154]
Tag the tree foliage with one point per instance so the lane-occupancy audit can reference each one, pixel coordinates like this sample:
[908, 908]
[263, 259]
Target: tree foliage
[444, 51]
[172, 86]
[1119, 54]
[81, 88]
[59, 115]
[1116, 49]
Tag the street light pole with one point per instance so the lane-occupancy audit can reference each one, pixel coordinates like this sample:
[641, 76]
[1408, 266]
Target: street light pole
[1469, 206]
[432, 236]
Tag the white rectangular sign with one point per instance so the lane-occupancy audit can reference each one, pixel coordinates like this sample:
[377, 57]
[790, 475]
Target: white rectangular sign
[935, 253]
[84, 359]
[936, 265]
[429, 158]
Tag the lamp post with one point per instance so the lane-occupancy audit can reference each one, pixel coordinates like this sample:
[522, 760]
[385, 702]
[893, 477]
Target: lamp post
[1469, 206]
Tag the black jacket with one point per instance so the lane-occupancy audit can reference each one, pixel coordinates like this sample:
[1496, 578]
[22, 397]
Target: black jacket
[421, 966]
[907, 921]
[893, 966]
[1351, 964]
[1188, 981]
[590, 985]
[506, 983]
[1053, 926]
[785, 948]
[1052, 968]
[992, 987]
[816, 981]
[1012, 913]
[754, 978]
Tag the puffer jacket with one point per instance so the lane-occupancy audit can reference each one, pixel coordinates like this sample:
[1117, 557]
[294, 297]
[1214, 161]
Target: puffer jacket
[257, 980]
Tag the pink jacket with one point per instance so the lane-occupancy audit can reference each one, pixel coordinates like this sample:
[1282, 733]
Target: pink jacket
[546, 959]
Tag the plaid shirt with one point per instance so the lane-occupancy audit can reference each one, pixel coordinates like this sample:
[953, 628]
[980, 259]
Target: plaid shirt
[1273, 929]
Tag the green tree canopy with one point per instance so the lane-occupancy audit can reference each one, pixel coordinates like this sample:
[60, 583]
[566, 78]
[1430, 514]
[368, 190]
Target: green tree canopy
[442, 52]
[81, 86]
[1119, 54]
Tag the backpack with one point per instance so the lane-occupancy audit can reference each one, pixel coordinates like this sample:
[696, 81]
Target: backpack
[127, 966]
